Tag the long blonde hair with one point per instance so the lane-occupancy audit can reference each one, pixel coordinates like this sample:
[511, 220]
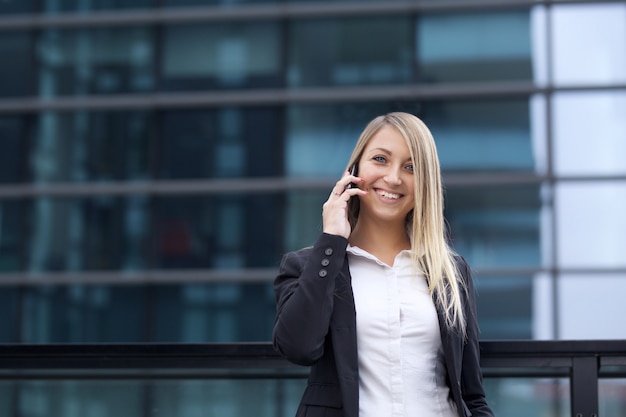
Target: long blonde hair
[430, 250]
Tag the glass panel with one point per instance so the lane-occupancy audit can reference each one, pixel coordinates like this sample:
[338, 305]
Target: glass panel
[216, 312]
[320, 137]
[474, 47]
[350, 51]
[496, 226]
[95, 61]
[93, 5]
[140, 398]
[603, 42]
[523, 397]
[12, 157]
[578, 117]
[98, 233]
[231, 55]
[483, 135]
[9, 313]
[83, 314]
[612, 396]
[228, 142]
[591, 226]
[17, 7]
[11, 235]
[222, 232]
[16, 77]
[303, 220]
[225, 3]
[602, 296]
[504, 306]
[94, 146]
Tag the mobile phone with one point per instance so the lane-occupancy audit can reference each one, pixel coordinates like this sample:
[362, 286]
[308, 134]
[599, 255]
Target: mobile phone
[352, 172]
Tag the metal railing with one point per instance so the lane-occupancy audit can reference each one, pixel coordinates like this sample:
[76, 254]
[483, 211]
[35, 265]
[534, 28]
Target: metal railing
[583, 363]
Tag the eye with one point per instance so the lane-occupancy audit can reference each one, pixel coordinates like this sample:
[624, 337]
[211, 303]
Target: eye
[409, 167]
[379, 158]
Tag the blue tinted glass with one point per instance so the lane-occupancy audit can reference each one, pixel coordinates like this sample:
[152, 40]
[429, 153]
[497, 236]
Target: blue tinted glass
[95, 61]
[229, 142]
[94, 5]
[83, 314]
[482, 135]
[16, 77]
[97, 146]
[350, 51]
[222, 232]
[216, 312]
[474, 46]
[13, 156]
[11, 235]
[225, 3]
[17, 6]
[221, 55]
[98, 233]
[9, 312]
[496, 226]
[504, 305]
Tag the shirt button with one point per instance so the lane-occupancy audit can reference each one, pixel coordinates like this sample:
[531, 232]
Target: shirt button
[322, 273]
[325, 262]
[328, 251]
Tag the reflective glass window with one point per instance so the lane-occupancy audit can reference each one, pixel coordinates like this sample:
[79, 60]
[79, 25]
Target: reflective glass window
[505, 306]
[9, 301]
[496, 226]
[611, 396]
[13, 131]
[602, 295]
[94, 5]
[474, 46]
[95, 61]
[95, 233]
[16, 76]
[11, 235]
[17, 6]
[486, 135]
[222, 232]
[590, 133]
[320, 138]
[591, 226]
[221, 143]
[519, 396]
[594, 55]
[83, 314]
[91, 146]
[221, 55]
[350, 51]
[215, 312]
[225, 3]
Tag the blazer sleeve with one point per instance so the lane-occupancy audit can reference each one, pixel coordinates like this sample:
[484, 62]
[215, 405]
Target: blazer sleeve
[471, 374]
[304, 290]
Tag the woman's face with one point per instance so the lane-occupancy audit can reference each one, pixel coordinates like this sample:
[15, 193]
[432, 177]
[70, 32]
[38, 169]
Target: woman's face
[387, 171]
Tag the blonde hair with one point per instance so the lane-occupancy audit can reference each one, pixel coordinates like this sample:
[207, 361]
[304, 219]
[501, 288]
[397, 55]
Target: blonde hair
[425, 223]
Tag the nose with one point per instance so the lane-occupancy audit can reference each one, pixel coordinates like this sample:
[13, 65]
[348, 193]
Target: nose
[393, 176]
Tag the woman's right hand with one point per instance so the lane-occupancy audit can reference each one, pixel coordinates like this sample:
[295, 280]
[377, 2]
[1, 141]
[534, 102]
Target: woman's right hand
[335, 209]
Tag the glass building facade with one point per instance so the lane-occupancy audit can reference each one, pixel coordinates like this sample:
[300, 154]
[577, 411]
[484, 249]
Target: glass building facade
[157, 157]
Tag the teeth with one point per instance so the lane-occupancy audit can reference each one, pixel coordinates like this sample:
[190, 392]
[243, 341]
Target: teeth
[389, 195]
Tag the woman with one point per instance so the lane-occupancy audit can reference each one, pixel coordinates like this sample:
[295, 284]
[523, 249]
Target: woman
[380, 307]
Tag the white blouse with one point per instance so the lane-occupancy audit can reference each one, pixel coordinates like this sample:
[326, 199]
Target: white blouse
[401, 362]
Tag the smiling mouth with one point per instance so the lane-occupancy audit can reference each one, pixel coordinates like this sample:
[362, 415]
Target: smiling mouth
[386, 194]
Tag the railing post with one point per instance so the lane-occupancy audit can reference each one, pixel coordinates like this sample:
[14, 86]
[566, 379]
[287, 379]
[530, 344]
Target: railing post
[584, 387]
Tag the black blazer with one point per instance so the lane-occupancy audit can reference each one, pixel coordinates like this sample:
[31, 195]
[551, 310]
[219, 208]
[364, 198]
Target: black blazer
[316, 326]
